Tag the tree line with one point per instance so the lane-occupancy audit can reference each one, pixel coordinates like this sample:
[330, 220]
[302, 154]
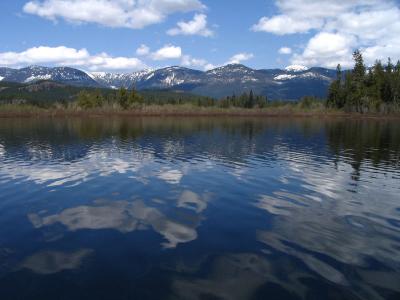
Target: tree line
[94, 99]
[362, 89]
[130, 99]
[245, 100]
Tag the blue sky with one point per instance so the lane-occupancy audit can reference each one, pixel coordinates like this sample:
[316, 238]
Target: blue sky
[104, 35]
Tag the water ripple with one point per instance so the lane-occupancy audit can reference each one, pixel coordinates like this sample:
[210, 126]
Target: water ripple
[303, 208]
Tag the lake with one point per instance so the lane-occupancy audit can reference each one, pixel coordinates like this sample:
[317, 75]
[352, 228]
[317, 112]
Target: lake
[199, 208]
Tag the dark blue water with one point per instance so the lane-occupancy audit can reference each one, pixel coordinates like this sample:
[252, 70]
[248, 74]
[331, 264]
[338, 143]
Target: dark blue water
[199, 209]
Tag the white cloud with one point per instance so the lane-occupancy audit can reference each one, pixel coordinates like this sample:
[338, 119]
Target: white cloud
[111, 13]
[327, 49]
[82, 59]
[64, 56]
[285, 25]
[167, 52]
[338, 28]
[300, 16]
[190, 62]
[105, 62]
[143, 50]
[240, 57]
[197, 26]
[285, 50]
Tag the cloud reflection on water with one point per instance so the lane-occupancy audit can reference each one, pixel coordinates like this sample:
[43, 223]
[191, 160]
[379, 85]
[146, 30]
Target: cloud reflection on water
[298, 206]
[50, 262]
[313, 231]
[239, 276]
[129, 216]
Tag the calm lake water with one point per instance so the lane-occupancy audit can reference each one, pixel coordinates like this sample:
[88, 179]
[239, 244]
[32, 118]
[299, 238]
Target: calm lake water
[199, 208]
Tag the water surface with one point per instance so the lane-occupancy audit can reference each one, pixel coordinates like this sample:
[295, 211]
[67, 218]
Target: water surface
[203, 208]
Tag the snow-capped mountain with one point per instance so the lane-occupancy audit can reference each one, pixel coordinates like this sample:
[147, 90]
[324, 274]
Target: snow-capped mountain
[60, 74]
[118, 80]
[171, 77]
[292, 82]
[6, 73]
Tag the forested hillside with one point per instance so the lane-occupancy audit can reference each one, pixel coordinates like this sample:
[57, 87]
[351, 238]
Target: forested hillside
[375, 89]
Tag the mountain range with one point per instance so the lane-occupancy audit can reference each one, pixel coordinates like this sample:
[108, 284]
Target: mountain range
[291, 83]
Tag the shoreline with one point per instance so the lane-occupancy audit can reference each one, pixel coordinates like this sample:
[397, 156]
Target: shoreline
[177, 115]
[187, 112]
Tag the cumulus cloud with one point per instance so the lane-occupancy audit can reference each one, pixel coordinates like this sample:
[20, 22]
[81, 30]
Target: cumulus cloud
[240, 57]
[190, 62]
[167, 52]
[299, 16]
[64, 56]
[143, 50]
[197, 26]
[285, 25]
[338, 28]
[327, 49]
[285, 50]
[112, 13]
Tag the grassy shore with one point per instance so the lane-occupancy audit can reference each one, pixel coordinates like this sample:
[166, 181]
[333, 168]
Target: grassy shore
[288, 110]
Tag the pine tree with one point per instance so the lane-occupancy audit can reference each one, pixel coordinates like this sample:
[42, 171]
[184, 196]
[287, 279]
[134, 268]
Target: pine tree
[348, 91]
[98, 99]
[359, 68]
[88, 100]
[335, 95]
[396, 84]
[243, 100]
[377, 90]
[122, 98]
[379, 78]
[250, 101]
[134, 99]
[359, 82]
[83, 100]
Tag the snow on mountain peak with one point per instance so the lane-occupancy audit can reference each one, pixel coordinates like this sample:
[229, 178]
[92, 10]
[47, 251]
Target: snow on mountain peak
[296, 68]
[38, 77]
[1, 78]
[284, 77]
[94, 75]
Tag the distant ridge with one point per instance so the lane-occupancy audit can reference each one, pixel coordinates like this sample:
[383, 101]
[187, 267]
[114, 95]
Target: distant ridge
[292, 83]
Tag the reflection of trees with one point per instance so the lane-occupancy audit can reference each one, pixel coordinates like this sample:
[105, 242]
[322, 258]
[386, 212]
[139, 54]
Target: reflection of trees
[227, 140]
[359, 140]
[72, 138]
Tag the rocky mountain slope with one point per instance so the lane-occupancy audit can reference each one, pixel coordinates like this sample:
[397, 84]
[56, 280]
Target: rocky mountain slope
[64, 75]
[291, 83]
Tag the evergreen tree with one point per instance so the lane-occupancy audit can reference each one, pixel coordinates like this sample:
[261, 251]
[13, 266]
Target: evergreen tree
[83, 100]
[261, 101]
[89, 100]
[122, 98]
[250, 102]
[377, 90]
[359, 68]
[348, 91]
[134, 99]
[98, 99]
[243, 100]
[335, 95]
[396, 84]
[359, 72]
